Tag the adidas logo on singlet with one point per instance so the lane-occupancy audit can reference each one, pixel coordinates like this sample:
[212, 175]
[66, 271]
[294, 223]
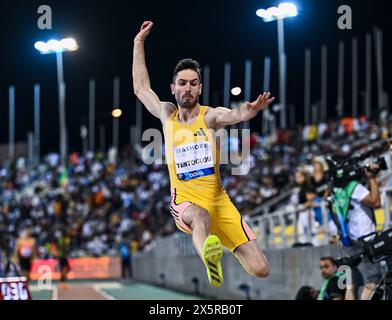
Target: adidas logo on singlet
[200, 132]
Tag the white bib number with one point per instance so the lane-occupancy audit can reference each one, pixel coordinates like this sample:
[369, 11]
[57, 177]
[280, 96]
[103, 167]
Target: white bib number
[194, 160]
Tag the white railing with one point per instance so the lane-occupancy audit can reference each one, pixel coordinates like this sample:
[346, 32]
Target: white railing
[295, 224]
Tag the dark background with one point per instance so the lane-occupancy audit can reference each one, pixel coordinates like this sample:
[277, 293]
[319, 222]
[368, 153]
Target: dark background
[212, 32]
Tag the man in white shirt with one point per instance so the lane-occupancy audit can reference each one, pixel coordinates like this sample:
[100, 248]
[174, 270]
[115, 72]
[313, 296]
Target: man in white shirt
[361, 222]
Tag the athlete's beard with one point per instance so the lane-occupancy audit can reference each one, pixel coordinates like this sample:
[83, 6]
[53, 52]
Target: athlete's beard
[186, 103]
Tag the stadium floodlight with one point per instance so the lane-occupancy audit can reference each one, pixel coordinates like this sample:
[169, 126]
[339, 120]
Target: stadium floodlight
[279, 13]
[284, 10]
[56, 46]
[59, 47]
[41, 46]
[266, 15]
[69, 44]
[116, 113]
[236, 91]
[288, 9]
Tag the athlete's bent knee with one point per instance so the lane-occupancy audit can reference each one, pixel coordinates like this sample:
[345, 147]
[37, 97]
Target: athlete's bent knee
[260, 270]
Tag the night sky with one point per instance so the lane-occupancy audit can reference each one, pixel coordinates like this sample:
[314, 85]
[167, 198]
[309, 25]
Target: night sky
[212, 32]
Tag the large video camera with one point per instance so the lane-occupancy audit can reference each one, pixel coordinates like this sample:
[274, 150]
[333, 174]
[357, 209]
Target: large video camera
[345, 169]
[375, 247]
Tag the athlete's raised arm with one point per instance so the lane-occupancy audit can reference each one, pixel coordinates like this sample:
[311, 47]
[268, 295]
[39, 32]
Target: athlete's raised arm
[220, 117]
[141, 80]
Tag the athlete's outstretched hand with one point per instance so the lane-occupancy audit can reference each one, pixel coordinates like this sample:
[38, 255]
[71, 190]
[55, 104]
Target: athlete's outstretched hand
[144, 31]
[250, 109]
[261, 102]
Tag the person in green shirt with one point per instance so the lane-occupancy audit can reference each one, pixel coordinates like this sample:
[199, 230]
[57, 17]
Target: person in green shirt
[330, 289]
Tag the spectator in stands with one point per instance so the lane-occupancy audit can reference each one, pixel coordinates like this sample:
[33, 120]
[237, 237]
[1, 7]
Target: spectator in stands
[268, 189]
[319, 183]
[318, 179]
[281, 177]
[303, 197]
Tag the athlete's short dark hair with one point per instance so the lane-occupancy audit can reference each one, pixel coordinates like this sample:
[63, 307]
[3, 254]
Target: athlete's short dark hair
[185, 64]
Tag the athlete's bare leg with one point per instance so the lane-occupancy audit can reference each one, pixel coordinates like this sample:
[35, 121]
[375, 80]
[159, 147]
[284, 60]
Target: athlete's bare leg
[252, 259]
[207, 246]
[200, 222]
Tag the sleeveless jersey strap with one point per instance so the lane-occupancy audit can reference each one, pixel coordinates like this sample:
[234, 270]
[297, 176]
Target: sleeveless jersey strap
[173, 114]
[203, 110]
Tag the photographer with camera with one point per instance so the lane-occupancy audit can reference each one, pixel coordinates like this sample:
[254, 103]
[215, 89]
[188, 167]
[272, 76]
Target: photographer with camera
[353, 214]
